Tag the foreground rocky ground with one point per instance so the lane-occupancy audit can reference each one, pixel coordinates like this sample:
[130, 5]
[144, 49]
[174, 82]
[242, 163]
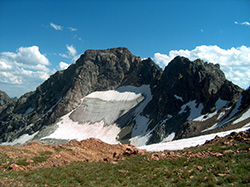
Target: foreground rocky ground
[34, 156]
[221, 161]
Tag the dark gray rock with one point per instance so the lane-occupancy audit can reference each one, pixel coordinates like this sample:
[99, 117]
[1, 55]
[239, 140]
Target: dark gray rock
[95, 70]
[183, 81]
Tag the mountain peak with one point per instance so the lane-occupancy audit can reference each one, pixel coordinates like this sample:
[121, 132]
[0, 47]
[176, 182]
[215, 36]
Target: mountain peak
[112, 54]
[163, 104]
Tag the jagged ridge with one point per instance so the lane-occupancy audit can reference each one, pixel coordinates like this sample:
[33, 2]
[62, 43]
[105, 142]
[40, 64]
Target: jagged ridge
[183, 87]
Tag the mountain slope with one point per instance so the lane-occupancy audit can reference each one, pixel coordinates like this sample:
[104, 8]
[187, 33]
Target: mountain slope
[118, 97]
[95, 70]
[188, 90]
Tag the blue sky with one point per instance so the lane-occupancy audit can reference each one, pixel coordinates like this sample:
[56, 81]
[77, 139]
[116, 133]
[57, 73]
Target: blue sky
[57, 32]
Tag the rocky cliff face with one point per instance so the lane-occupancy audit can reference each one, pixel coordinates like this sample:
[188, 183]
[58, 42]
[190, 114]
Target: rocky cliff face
[186, 86]
[95, 70]
[184, 100]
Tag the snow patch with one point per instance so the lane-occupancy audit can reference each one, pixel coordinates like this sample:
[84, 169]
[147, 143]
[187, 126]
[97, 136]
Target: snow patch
[205, 117]
[219, 104]
[21, 140]
[178, 97]
[195, 112]
[29, 110]
[188, 142]
[140, 140]
[211, 128]
[54, 105]
[245, 116]
[247, 125]
[169, 137]
[139, 134]
[113, 95]
[73, 130]
[221, 115]
[235, 110]
[70, 130]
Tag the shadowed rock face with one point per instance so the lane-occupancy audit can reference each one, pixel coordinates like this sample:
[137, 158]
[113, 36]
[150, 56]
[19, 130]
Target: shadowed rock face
[4, 99]
[183, 81]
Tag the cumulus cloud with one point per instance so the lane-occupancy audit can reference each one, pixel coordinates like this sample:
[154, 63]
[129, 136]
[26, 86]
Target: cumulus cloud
[27, 55]
[234, 62]
[63, 65]
[26, 67]
[56, 27]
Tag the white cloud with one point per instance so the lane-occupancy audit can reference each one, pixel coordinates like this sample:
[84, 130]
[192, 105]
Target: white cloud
[71, 50]
[4, 66]
[63, 55]
[72, 29]
[72, 53]
[234, 62]
[27, 55]
[63, 65]
[77, 37]
[75, 58]
[25, 69]
[56, 27]
[245, 23]
[242, 23]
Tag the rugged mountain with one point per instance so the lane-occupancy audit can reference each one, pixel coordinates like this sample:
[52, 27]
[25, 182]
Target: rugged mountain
[118, 97]
[5, 100]
[186, 91]
[95, 70]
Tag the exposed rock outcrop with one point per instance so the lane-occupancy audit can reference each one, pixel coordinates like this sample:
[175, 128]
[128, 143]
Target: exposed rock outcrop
[184, 81]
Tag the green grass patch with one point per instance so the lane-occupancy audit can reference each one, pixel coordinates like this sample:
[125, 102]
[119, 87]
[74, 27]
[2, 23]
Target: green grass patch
[138, 171]
[62, 148]
[44, 153]
[38, 159]
[22, 162]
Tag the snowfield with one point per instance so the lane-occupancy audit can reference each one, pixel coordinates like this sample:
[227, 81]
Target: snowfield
[189, 142]
[21, 140]
[113, 95]
[243, 117]
[70, 130]
[96, 116]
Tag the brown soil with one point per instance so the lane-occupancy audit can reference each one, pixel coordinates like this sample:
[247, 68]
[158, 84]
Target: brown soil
[34, 156]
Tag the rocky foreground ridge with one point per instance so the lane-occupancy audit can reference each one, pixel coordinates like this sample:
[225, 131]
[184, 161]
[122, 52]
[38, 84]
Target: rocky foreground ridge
[35, 156]
[188, 98]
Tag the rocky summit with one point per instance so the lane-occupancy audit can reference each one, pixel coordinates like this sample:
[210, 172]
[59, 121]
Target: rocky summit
[120, 98]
